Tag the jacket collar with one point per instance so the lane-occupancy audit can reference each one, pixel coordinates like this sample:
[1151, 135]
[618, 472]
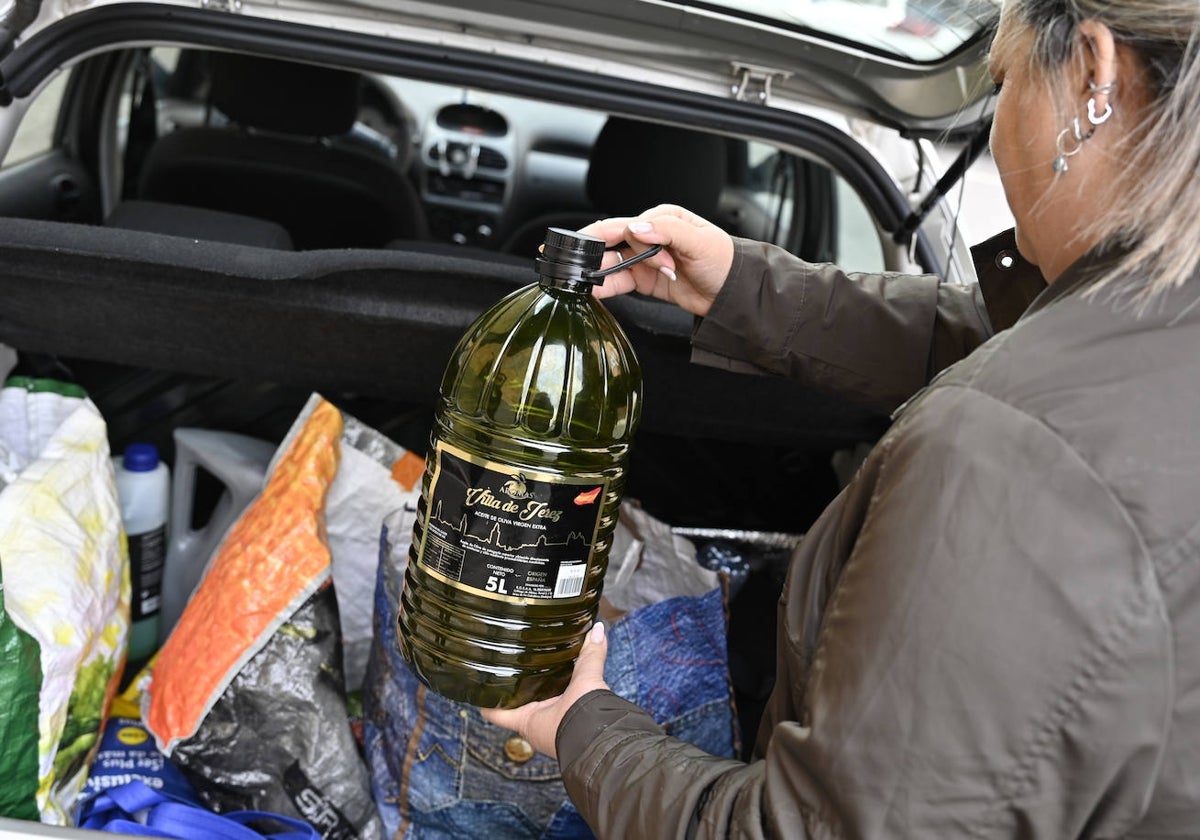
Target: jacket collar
[1008, 281]
[1078, 276]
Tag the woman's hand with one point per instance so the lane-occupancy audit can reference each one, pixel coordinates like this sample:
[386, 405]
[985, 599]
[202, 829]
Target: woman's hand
[689, 271]
[538, 722]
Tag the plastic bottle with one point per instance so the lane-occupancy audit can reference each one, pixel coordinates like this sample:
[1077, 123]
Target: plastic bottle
[524, 477]
[239, 464]
[144, 488]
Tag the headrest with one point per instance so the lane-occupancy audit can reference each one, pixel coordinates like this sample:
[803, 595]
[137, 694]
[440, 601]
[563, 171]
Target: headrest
[284, 96]
[636, 165]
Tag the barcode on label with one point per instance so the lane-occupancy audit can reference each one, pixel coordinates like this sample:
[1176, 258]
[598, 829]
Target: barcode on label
[570, 580]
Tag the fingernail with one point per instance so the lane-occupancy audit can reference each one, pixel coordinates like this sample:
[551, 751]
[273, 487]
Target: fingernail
[668, 273]
[596, 634]
[640, 227]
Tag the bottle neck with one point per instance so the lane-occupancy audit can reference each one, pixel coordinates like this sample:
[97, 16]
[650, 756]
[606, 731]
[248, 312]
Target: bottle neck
[572, 285]
[566, 273]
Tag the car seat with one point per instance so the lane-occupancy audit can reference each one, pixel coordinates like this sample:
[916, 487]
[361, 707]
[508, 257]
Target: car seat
[199, 223]
[633, 166]
[278, 159]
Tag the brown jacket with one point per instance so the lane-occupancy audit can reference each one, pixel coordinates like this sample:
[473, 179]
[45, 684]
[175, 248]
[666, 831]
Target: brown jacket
[994, 631]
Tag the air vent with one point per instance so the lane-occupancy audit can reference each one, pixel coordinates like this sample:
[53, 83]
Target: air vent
[492, 159]
[460, 154]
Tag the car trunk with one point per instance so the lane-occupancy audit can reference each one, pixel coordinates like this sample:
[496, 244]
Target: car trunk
[164, 332]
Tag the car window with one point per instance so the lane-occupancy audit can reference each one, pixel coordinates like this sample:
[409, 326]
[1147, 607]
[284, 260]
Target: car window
[770, 185]
[858, 247]
[804, 206]
[35, 135]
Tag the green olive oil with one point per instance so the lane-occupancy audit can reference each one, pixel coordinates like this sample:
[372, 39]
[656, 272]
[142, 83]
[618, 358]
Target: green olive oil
[522, 486]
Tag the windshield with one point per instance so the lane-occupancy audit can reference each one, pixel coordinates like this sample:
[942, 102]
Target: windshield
[915, 30]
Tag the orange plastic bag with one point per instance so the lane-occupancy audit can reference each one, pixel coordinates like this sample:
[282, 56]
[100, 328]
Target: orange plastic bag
[247, 692]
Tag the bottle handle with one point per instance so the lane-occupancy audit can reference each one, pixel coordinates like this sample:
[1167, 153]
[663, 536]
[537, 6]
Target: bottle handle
[601, 273]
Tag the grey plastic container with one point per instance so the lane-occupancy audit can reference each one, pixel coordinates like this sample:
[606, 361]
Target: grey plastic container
[239, 463]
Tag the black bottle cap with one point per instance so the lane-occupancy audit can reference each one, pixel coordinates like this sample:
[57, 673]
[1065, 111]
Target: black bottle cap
[570, 255]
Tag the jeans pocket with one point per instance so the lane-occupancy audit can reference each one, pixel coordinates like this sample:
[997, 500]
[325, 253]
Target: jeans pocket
[500, 766]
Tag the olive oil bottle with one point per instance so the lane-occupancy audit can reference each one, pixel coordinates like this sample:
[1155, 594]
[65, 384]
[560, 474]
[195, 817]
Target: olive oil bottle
[523, 481]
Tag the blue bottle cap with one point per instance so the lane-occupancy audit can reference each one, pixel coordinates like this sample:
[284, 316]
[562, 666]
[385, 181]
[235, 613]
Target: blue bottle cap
[140, 457]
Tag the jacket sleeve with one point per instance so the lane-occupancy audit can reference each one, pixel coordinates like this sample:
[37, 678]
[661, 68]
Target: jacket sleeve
[872, 338]
[995, 660]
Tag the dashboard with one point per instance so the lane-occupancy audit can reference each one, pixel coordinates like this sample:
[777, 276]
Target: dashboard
[467, 163]
[482, 160]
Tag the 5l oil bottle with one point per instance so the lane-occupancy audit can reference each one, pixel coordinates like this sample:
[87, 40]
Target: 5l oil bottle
[524, 477]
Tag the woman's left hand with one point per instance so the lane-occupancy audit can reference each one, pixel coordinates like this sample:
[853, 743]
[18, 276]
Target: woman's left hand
[538, 722]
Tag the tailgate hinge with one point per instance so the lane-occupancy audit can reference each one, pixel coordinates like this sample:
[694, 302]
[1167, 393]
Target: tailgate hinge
[752, 83]
[222, 5]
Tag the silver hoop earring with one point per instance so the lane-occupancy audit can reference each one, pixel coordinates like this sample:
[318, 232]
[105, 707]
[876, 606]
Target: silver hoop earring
[1096, 120]
[1075, 132]
[1106, 88]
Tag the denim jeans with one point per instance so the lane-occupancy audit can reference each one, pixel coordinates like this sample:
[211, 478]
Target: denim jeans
[438, 770]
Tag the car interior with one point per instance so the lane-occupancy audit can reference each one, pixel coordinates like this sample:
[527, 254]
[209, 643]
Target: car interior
[362, 170]
[277, 154]
[343, 159]
[202, 237]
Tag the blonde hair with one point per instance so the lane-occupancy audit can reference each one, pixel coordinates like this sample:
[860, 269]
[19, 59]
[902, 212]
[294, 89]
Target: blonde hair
[1151, 206]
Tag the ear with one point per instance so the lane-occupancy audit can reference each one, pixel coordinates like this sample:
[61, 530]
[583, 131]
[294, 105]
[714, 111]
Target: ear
[1100, 61]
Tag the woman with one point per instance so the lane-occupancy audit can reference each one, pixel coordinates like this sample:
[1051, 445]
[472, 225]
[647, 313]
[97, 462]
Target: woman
[995, 629]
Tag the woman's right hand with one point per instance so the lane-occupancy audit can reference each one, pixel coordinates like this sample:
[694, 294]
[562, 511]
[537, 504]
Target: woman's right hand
[689, 271]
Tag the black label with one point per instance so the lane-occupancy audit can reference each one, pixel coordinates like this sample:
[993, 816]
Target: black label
[316, 808]
[146, 554]
[507, 533]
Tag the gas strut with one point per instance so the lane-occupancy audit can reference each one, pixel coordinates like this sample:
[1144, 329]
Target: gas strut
[956, 170]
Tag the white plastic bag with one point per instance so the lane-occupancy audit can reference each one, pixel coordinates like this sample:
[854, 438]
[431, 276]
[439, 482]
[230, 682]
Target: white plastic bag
[65, 591]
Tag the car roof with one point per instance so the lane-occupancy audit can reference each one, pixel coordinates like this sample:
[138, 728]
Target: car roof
[918, 66]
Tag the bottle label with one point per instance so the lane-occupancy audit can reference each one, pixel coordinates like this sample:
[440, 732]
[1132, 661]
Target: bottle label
[146, 555]
[508, 533]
